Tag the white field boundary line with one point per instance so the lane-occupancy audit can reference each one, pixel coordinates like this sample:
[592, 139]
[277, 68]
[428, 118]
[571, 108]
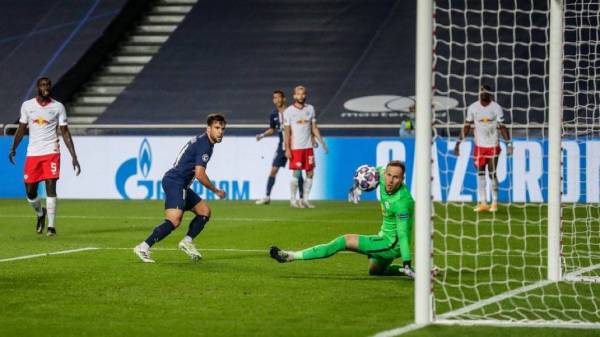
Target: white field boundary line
[444, 319]
[62, 252]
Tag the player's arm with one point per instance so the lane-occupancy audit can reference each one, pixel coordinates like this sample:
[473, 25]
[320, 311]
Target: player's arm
[463, 134]
[200, 173]
[504, 131]
[266, 133]
[64, 129]
[16, 141]
[287, 136]
[317, 135]
[506, 136]
[404, 233]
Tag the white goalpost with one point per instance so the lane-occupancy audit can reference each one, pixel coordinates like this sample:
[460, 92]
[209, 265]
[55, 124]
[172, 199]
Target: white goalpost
[535, 262]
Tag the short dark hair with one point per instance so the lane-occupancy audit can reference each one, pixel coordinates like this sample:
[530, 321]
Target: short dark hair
[397, 163]
[37, 83]
[485, 88]
[215, 118]
[279, 92]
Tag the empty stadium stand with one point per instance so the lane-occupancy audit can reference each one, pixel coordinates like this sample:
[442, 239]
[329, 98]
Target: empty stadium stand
[45, 38]
[228, 56]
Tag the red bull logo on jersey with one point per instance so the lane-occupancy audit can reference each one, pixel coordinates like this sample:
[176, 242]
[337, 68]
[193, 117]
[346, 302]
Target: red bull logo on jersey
[40, 121]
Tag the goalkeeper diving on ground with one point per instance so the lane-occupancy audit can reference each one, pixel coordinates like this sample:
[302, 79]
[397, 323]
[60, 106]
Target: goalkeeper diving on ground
[394, 238]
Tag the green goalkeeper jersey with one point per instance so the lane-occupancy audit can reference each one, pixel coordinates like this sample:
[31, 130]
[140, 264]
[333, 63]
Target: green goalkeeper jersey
[398, 215]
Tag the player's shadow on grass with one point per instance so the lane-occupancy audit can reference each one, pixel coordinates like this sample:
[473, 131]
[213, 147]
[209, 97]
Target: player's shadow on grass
[347, 277]
[119, 229]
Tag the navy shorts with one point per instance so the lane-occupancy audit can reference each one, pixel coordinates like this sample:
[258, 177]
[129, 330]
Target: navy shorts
[280, 159]
[178, 195]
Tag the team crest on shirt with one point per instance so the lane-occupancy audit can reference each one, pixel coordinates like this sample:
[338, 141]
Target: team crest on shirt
[205, 157]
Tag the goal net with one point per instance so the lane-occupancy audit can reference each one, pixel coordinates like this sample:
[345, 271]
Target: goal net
[495, 265]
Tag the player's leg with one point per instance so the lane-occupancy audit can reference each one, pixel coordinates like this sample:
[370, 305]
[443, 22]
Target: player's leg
[174, 208]
[492, 165]
[316, 252]
[307, 187]
[270, 183]
[379, 266]
[200, 208]
[384, 267]
[31, 189]
[51, 205]
[32, 171]
[480, 163]
[363, 244]
[308, 160]
[301, 186]
[296, 174]
[278, 161]
[50, 171]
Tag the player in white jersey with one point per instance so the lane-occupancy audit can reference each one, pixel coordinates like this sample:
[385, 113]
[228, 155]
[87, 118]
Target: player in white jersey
[43, 115]
[301, 135]
[487, 118]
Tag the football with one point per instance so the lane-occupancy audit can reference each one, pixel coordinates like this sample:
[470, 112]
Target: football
[366, 178]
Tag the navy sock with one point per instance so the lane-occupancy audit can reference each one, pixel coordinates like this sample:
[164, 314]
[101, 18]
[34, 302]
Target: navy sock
[160, 232]
[301, 186]
[270, 184]
[197, 225]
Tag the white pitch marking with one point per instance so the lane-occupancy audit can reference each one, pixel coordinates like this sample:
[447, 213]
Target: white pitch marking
[399, 331]
[25, 257]
[202, 249]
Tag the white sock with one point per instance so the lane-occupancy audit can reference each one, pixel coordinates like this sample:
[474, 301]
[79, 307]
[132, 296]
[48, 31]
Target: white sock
[144, 246]
[481, 197]
[51, 209]
[294, 187]
[494, 190]
[295, 255]
[187, 239]
[37, 205]
[307, 186]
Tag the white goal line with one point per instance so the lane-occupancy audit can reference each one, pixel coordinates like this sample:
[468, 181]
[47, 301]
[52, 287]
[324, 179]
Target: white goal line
[445, 319]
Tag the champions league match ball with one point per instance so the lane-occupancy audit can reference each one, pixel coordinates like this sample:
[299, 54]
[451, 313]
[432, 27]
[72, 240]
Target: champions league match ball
[366, 178]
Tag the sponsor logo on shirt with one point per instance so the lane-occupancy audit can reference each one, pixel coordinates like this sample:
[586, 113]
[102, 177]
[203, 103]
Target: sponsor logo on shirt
[40, 121]
[487, 119]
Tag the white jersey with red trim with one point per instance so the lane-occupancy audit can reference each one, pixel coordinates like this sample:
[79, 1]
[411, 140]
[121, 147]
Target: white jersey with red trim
[486, 120]
[43, 122]
[300, 121]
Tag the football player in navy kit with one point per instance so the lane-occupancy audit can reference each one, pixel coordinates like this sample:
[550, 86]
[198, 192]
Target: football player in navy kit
[275, 125]
[179, 197]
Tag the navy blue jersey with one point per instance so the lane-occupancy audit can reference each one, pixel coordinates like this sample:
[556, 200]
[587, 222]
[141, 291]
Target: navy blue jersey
[276, 123]
[196, 152]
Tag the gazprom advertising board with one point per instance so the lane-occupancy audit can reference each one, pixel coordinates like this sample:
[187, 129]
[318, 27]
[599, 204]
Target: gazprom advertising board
[132, 168]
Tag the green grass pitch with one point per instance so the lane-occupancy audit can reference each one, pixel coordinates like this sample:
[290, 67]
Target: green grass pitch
[236, 290]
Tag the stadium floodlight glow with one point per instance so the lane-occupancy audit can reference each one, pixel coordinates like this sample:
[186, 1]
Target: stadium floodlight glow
[530, 263]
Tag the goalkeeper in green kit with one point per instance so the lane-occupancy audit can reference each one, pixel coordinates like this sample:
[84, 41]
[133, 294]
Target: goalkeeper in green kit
[393, 240]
